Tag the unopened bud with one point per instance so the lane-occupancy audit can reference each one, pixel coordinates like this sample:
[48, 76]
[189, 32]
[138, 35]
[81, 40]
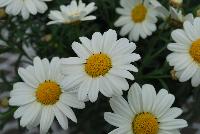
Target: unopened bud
[198, 13]
[176, 3]
[4, 102]
[2, 13]
[46, 38]
[173, 74]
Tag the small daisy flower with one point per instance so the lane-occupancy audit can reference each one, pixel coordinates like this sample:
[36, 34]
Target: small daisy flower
[24, 7]
[138, 19]
[102, 65]
[145, 112]
[186, 52]
[73, 13]
[42, 96]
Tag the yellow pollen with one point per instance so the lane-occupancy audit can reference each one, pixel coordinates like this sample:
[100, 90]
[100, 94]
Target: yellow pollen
[145, 123]
[98, 65]
[48, 93]
[139, 13]
[195, 51]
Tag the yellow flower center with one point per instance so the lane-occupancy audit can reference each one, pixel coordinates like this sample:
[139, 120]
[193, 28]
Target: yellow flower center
[139, 13]
[145, 123]
[195, 51]
[98, 65]
[48, 93]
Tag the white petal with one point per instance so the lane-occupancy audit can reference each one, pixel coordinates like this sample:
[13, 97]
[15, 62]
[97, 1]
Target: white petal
[28, 77]
[171, 114]
[47, 118]
[73, 61]
[135, 98]
[71, 100]
[62, 119]
[105, 87]
[148, 97]
[120, 106]
[94, 90]
[55, 68]
[196, 79]
[97, 42]
[84, 89]
[173, 124]
[116, 120]
[164, 105]
[110, 37]
[31, 6]
[118, 82]
[121, 73]
[190, 31]
[177, 47]
[30, 114]
[121, 130]
[67, 111]
[188, 73]
[80, 50]
[39, 69]
[21, 110]
[72, 81]
[21, 100]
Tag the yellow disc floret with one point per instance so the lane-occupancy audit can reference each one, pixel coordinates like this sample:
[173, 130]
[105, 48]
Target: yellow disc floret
[98, 65]
[195, 51]
[145, 123]
[138, 13]
[48, 93]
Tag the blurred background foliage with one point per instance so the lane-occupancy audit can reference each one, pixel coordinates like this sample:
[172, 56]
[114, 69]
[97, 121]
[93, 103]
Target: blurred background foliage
[18, 36]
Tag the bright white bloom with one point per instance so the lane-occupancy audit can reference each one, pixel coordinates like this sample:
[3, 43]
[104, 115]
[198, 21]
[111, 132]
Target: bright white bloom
[73, 13]
[102, 65]
[186, 52]
[138, 19]
[24, 7]
[145, 112]
[42, 96]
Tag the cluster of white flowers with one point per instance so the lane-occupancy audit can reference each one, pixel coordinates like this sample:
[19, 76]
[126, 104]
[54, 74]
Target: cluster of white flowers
[103, 65]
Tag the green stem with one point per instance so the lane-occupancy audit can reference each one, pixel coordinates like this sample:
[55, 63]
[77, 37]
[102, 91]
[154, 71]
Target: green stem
[158, 53]
[156, 77]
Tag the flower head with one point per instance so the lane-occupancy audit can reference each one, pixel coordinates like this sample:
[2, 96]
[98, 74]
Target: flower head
[145, 112]
[42, 96]
[102, 65]
[138, 19]
[185, 56]
[24, 7]
[73, 13]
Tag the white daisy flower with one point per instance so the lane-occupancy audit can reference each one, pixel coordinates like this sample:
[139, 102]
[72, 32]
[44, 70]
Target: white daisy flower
[138, 19]
[102, 65]
[186, 52]
[42, 96]
[145, 112]
[24, 7]
[73, 13]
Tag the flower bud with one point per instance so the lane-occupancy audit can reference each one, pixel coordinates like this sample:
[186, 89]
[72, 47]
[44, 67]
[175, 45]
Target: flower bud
[176, 3]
